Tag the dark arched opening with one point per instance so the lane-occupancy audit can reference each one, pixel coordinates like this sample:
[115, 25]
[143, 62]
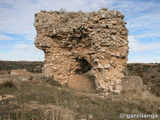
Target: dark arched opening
[84, 66]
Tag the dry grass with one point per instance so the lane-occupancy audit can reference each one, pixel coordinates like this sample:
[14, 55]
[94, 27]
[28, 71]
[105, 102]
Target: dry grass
[143, 98]
[80, 104]
[149, 73]
[34, 100]
[7, 84]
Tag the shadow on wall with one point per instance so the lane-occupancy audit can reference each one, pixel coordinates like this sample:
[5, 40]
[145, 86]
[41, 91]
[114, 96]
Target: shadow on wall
[84, 66]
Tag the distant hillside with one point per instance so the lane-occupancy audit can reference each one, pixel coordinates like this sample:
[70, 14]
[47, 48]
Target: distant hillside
[150, 73]
[34, 67]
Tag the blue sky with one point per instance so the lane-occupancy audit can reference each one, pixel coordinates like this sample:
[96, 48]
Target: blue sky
[17, 32]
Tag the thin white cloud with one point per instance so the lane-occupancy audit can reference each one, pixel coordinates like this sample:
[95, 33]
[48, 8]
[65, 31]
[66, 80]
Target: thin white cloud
[147, 35]
[150, 20]
[144, 59]
[17, 16]
[27, 48]
[23, 52]
[20, 17]
[140, 15]
[136, 46]
[5, 37]
[135, 6]
[29, 37]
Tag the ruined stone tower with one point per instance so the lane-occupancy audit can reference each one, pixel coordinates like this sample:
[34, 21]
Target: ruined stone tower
[91, 46]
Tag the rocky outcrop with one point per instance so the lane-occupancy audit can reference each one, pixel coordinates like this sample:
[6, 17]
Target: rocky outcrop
[88, 44]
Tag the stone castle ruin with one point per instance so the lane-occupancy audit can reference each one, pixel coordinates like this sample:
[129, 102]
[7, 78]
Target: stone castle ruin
[87, 49]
